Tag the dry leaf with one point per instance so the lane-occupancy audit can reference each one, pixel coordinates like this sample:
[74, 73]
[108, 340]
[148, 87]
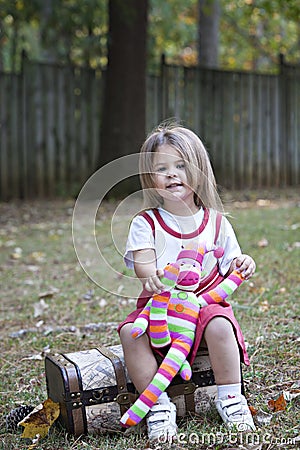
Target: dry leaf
[48, 294]
[10, 243]
[39, 308]
[290, 395]
[102, 303]
[38, 357]
[278, 404]
[32, 268]
[40, 419]
[264, 306]
[263, 418]
[17, 253]
[38, 257]
[263, 202]
[253, 410]
[263, 243]
[35, 442]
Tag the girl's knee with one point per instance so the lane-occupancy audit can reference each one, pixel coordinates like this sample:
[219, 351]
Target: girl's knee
[125, 332]
[220, 328]
[131, 344]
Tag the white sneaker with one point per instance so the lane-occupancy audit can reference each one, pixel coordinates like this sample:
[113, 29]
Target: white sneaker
[161, 423]
[235, 413]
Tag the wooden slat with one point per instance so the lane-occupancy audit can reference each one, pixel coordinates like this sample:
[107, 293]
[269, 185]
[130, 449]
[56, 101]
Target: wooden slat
[4, 135]
[50, 119]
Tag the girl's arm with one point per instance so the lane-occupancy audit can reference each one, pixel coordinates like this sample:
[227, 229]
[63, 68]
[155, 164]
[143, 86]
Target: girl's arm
[145, 269]
[244, 264]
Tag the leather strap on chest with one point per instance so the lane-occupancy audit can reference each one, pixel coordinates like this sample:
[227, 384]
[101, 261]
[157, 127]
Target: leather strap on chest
[120, 376]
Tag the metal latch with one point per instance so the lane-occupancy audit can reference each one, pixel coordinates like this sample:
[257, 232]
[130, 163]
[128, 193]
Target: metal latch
[189, 388]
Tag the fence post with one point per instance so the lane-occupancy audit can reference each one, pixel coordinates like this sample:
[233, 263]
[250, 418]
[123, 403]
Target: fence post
[283, 119]
[163, 87]
[23, 141]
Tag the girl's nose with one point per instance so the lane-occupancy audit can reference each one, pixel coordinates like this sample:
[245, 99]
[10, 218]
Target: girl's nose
[171, 173]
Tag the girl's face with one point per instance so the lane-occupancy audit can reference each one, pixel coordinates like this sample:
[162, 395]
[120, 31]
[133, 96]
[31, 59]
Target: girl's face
[171, 180]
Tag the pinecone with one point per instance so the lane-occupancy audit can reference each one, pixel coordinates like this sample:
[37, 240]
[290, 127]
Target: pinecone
[16, 415]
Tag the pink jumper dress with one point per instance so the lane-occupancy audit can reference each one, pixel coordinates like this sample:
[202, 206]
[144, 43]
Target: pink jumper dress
[207, 313]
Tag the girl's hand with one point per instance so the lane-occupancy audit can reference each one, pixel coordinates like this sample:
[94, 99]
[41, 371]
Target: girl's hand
[153, 283]
[245, 265]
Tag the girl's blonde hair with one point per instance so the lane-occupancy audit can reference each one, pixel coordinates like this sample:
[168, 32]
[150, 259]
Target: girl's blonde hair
[199, 171]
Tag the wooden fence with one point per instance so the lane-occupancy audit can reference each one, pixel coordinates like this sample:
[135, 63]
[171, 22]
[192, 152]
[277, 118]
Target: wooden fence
[49, 130]
[50, 119]
[249, 122]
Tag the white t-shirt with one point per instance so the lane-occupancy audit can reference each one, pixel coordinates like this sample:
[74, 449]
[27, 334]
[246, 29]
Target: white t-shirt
[174, 232]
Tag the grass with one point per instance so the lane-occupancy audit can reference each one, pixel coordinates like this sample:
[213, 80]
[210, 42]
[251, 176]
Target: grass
[48, 304]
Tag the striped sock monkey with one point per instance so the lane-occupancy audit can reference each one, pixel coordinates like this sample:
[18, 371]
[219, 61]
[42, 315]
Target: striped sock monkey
[171, 318]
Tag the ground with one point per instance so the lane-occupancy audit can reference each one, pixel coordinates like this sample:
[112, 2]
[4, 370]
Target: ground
[49, 304]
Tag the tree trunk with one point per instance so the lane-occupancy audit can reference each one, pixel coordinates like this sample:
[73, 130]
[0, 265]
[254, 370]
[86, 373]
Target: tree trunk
[123, 122]
[208, 33]
[48, 39]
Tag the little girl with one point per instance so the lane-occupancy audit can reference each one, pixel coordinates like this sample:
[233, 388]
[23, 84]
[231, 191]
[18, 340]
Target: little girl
[181, 205]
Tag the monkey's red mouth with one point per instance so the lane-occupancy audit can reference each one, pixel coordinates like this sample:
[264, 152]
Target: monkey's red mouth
[189, 278]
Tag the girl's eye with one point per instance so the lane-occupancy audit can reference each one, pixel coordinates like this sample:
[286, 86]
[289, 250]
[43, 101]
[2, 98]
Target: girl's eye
[161, 169]
[181, 166]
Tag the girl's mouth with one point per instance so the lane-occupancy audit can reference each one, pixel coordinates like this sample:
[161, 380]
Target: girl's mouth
[174, 185]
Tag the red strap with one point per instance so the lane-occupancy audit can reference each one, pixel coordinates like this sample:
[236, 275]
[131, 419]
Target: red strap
[174, 233]
[218, 223]
[150, 221]
[218, 226]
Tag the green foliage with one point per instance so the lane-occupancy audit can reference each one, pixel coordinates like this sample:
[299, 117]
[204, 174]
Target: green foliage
[172, 31]
[58, 30]
[255, 32]
[252, 32]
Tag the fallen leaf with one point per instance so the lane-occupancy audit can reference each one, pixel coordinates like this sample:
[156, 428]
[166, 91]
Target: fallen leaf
[48, 294]
[89, 295]
[263, 202]
[259, 340]
[120, 289]
[102, 303]
[264, 306]
[17, 253]
[277, 404]
[38, 257]
[295, 226]
[282, 290]
[10, 243]
[39, 421]
[34, 442]
[290, 395]
[263, 243]
[253, 410]
[296, 244]
[39, 308]
[32, 268]
[263, 418]
[33, 358]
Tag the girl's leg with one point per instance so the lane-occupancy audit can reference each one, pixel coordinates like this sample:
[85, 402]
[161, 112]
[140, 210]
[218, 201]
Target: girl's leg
[224, 355]
[139, 358]
[223, 351]
[142, 366]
